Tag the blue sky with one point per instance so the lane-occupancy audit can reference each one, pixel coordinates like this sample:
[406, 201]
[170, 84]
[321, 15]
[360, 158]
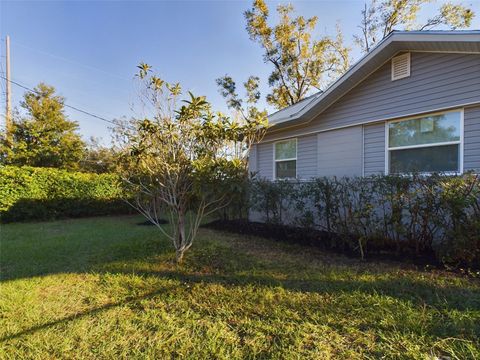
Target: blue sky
[89, 50]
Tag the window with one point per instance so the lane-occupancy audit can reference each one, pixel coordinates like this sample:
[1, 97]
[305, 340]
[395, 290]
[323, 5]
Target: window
[401, 66]
[425, 144]
[285, 159]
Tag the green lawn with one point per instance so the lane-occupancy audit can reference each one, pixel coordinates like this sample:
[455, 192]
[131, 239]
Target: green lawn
[107, 288]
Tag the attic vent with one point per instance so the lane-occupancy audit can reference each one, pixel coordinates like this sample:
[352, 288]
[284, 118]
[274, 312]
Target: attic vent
[401, 66]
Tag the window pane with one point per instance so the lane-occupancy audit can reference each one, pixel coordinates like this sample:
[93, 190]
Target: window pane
[429, 159]
[425, 130]
[286, 149]
[286, 169]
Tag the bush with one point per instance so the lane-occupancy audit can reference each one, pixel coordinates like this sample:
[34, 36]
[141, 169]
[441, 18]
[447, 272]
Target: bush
[459, 203]
[30, 193]
[273, 198]
[417, 215]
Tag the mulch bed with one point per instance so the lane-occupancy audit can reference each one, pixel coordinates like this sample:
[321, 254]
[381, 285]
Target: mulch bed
[149, 223]
[323, 240]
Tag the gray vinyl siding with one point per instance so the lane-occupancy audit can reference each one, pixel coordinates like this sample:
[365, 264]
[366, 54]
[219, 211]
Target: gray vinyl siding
[340, 152]
[307, 157]
[437, 81]
[253, 160]
[471, 149]
[265, 160]
[374, 149]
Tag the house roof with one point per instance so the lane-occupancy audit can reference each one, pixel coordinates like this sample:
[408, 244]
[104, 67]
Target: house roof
[397, 41]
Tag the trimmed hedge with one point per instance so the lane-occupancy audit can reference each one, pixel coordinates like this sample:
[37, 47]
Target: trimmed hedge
[31, 193]
[416, 215]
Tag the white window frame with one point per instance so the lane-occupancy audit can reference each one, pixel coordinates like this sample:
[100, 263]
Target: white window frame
[460, 142]
[282, 160]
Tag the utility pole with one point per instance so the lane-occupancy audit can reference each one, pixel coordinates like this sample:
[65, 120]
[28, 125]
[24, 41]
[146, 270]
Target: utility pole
[8, 109]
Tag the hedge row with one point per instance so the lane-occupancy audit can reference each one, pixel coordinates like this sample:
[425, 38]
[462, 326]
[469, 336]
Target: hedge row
[30, 193]
[417, 215]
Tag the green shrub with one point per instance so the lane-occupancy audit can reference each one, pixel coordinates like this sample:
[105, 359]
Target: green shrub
[273, 198]
[32, 193]
[415, 215]
[459, 202]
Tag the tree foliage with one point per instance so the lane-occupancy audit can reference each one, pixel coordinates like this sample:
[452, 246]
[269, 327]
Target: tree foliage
[300, 63]
[44, 137]
[246, 107]
[379, 18]
[98, 158]
[175, 162]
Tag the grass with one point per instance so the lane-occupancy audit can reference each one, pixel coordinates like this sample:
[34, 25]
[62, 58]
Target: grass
[108, 288]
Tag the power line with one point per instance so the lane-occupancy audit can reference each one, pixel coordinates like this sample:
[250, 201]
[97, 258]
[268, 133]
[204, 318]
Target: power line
[2, 74]
[72, 61]
[82, 66]
[66, 105]
[8, 103]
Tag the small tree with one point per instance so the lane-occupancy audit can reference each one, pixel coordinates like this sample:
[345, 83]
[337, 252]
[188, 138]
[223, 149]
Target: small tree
[45, 136]
[174, 163]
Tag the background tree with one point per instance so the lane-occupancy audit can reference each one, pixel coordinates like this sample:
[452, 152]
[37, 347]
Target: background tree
[44, 137]
[253, 125]
[379, 18]
[98, 158]
[300, 63]
[174, 162]
[254, 122]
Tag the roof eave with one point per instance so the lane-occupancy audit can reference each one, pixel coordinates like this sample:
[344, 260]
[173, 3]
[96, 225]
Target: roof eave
[393, 42]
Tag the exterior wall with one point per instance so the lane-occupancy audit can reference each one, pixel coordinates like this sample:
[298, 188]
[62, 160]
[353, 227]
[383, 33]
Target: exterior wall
[306, 158]
[436, 81]
[374, 144]
[253, 159]
[471, 149]
[374, 149]
[307, 152]
[340, 152]
[265, 160]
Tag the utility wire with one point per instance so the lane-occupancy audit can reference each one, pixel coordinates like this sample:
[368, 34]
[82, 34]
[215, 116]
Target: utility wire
[66, 105]
[2, 74]
[3, 93]
[74, 62]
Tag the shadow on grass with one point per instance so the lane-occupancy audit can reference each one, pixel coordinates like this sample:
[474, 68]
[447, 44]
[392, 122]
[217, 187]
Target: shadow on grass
[76, 245]
[79, 315]
[419, 294]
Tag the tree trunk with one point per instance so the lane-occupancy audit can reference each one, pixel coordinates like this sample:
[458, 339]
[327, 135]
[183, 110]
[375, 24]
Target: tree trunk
[181, 241]
[360, 246]
[179, 256]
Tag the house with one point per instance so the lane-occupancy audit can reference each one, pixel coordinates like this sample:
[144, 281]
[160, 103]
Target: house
[411, 104]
